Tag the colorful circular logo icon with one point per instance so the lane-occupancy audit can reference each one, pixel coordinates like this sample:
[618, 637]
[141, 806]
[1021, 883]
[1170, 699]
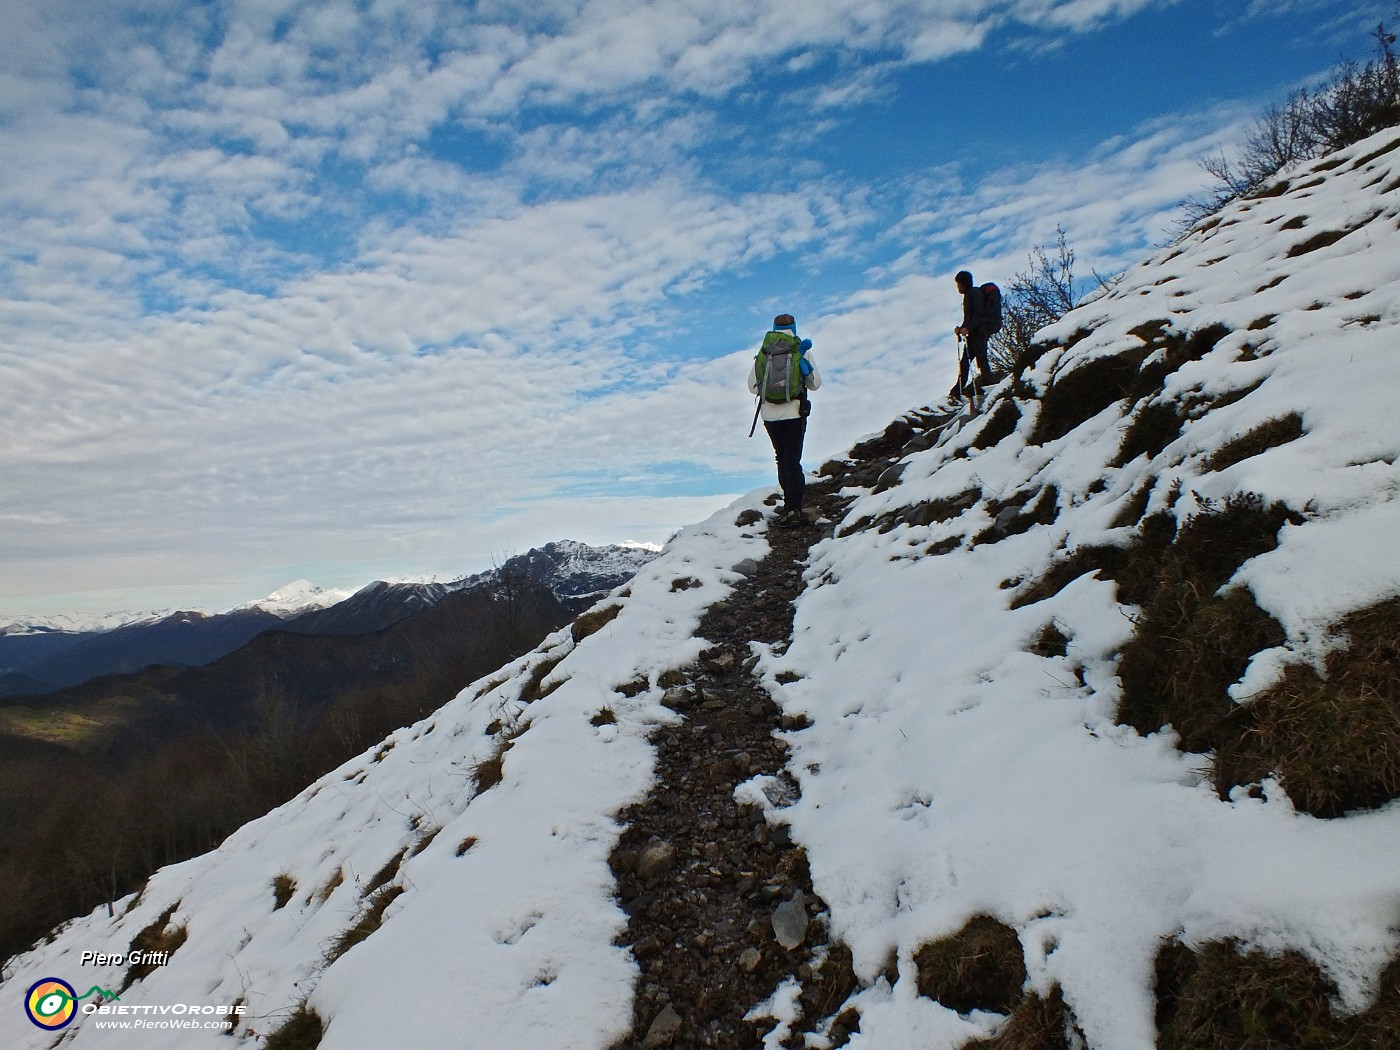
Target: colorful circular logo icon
[51, 1003]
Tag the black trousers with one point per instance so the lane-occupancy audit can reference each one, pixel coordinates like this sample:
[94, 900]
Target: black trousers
[976, 349]
[787, 435]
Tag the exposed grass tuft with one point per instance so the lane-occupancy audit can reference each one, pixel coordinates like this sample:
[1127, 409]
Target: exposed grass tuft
[981, 967]
[159, 936]
[337, 877]
[1322, 240]
[1037, 1024]
[284, 887]
[1333, 741]
[1077, 395]
[533, 688]
[593, 621]
[370, 920]
[1271, 434]
[604, 717]
[999, 425]
[1155, 426]
[304, 1030]
[1051, 641]
[1135, 506]
[832, 983]
[489, 772]
[384, 875]
[1226, 998]
[425, 840]
[1191, 642]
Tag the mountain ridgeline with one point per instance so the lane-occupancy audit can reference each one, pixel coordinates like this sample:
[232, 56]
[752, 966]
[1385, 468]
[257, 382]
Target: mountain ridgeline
[197, 751]
[1074, 723]
[42, 659]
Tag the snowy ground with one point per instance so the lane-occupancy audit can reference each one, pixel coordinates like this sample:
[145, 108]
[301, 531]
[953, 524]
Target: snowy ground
[948, 772]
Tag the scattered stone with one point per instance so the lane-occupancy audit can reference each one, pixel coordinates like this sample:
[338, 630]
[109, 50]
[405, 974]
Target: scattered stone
[701, 902]
[790, 922]
[748, 568]
[1006, 517]
[676, 699]
[723, 662]
[663, 1029]
[889, 477]
[655, 860]
[746, 518]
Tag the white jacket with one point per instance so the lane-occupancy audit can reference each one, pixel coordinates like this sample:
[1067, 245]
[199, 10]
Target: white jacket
[788, 409]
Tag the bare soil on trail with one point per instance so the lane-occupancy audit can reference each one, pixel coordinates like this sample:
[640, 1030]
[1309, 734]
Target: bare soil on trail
[701, 876]
[712, 890]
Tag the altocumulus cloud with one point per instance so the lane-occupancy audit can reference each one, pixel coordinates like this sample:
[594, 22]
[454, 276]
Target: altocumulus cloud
[376, 288]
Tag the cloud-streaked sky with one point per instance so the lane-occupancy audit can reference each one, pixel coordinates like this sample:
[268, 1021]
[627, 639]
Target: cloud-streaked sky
[344, 289]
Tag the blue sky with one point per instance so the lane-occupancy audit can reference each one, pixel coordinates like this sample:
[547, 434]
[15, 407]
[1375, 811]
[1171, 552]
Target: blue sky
[357, 288]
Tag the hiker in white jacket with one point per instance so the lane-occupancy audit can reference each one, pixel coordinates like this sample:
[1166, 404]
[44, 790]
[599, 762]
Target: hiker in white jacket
[785, 410]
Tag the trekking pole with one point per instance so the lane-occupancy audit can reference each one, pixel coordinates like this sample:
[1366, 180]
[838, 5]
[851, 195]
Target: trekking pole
[962, 361]
[758, 406]
[969, 387]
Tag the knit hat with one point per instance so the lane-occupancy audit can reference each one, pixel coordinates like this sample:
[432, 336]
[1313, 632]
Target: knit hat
[785, 321]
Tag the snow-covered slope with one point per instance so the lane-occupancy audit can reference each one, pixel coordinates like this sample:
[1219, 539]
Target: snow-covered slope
[952, 763]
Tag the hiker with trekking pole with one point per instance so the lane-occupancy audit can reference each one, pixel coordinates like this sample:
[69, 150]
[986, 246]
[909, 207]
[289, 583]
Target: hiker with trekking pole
[783, 372]
[981, 320]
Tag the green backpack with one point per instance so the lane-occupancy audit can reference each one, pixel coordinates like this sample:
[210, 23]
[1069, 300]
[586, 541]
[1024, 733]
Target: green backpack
[779, 368]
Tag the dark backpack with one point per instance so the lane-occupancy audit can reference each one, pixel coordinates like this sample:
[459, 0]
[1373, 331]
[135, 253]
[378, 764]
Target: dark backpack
[991, 307]
[779, 368]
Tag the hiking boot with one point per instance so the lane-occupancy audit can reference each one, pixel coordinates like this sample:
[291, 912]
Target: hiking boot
[788, 518]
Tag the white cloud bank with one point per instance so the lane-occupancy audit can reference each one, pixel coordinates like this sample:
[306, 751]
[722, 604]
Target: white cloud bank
[257, 319]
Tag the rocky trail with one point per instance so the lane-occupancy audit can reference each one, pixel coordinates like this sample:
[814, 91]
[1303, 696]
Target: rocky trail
[722, 915]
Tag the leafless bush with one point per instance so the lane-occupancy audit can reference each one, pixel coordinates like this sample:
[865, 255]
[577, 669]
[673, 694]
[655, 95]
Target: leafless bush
[1355, 103]
[1039, 296]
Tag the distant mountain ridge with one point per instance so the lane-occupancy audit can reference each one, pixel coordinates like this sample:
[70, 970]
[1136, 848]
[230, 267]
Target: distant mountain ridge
[40, 657]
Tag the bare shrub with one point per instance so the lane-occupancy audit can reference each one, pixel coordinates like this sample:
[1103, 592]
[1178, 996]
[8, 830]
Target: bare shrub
[1357, 102]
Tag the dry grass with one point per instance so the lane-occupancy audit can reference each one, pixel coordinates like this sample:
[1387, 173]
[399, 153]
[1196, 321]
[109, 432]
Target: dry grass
[1000, 424]
[425, 840]
[981, 967]
[489, 772]
[533, 688]
[1224, 998]
[337, 877]
[1314, 243]
[1155, 426]
[1193, 642]
[1044, 509]
[304, 1030]
[1271, 434]
[1333, 741]
[1051, 642]
[370, 920]
[832, 983]
[1038, 1023]
[1079, 394]
[593, 621]
[1135, 506]
[384, 875]
[159, 936]
[284, 887]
